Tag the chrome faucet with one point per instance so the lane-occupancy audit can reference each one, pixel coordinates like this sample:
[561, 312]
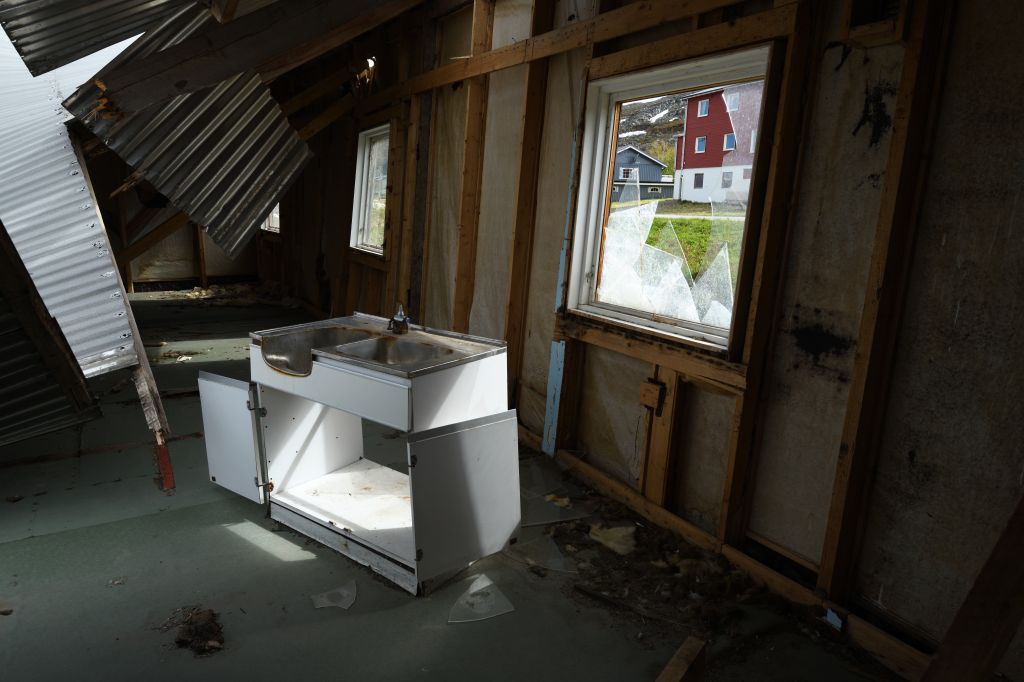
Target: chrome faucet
[399, 323]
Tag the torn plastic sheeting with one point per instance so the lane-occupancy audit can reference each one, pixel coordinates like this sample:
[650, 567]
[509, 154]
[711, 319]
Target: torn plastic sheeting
[342, 597]
[482, 600]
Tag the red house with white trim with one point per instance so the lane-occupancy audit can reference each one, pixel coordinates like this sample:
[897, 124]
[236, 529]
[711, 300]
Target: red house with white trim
[715, 153]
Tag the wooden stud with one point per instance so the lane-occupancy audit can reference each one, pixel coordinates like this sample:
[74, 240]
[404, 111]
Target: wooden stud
[472, 170]
[658, 459]
[403, 264]
[688, 664]
[792, 114]
[525, 218]
[913, 129]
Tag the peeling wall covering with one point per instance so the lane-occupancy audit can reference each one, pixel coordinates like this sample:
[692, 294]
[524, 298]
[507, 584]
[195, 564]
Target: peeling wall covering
[704, 423]
[504, 133]
[950, 466]
[447, 151]
[561, 114]
[611, 418]
[823, 294]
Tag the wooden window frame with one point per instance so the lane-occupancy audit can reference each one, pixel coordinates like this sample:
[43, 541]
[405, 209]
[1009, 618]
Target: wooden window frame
[360, 194]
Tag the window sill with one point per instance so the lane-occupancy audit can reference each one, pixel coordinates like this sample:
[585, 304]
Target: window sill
[699, 361]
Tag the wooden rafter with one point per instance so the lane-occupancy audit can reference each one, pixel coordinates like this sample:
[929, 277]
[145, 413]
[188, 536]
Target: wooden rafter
[151, 239]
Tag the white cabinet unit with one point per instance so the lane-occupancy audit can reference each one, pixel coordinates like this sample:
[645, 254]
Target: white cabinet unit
[401, 456]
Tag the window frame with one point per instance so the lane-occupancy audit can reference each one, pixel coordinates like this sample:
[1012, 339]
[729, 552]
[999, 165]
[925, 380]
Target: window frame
[704, 104]
[724, 174]
[697, 145]
[732, 96]
[604, 98]
[623, 169]
[695, 177]
[725, 142]
[361, 189]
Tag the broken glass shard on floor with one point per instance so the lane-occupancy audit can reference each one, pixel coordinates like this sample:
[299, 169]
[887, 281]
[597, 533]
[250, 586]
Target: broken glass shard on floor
[342, 597]
[482, 600]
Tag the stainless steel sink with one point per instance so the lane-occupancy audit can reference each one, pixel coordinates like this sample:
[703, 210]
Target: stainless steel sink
[291, 352]
[364, 340]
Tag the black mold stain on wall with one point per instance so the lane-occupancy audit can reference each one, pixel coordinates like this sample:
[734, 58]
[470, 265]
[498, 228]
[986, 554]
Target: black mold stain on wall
[817, 341]
[875, 113]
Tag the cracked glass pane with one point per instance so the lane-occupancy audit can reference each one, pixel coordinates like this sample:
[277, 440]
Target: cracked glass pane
[677, 210]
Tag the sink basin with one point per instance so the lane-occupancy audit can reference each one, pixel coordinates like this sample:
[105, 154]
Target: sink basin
[401, 352]
[291, 351]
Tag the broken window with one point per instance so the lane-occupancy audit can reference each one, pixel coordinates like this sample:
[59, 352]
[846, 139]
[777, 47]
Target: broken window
[669, 263]
[370, 197]
[273, 221]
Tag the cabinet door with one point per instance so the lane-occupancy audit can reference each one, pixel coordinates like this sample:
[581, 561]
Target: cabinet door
[229, 427]
[465, 491]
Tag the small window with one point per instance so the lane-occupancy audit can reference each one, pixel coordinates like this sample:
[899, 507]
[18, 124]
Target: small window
[370, 197]
[634, 260]
[273, 221]
[729, 143]
[732, 101]
[654, 190]
[746, 173]
[627, 173]
[753, 139]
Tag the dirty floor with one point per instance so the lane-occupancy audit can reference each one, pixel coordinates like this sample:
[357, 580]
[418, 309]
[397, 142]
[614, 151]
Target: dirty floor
[95, 562]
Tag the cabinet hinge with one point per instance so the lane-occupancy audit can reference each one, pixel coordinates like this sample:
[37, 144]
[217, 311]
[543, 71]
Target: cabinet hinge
[262, 411]
[268, 486]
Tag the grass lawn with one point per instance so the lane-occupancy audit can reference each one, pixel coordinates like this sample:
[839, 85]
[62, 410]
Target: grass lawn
[673, 207]
[696, 235]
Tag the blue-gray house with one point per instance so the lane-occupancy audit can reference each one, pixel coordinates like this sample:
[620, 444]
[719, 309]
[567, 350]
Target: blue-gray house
[632, 165]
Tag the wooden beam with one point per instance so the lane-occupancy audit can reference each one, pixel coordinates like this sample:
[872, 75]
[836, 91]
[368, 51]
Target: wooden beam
[657, 462]
[270, 41]
[320, 89]
[688, 664]
[917, 105]
[791, 63]
[525, 219]
[747, 30]
[472, 170]
[706, 370]
[631, 18]
[157, 235]
[326, 117]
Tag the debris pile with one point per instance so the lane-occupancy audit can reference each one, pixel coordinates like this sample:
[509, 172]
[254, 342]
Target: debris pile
[198, 629]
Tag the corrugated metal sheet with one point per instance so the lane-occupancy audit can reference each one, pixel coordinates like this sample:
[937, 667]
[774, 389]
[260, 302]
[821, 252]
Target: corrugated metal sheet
[31, 399]
[51, 217]
[41, 386]
[224, 155]
[52, 33]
